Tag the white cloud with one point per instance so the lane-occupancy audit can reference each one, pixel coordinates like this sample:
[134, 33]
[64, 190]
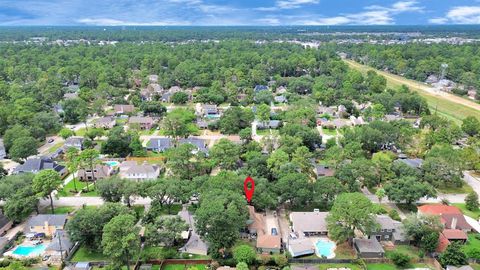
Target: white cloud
[362, 18]
[460, 15]
[399, 7]
[269, 21]
[289, 4]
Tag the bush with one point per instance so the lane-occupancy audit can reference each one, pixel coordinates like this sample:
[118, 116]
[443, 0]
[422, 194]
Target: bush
[280, 260]
[400, 259]
[394, 215]
[471, 201]
[244, 253]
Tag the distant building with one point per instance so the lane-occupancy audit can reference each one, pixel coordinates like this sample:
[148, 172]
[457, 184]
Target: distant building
[272, 124]
[260, 88]
[323, 170]
[153, 78]
[105, 122]
[144, 123]
[123, 109]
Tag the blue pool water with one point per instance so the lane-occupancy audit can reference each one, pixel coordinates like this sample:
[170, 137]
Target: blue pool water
[29, 250]
[112, 163]
[325, 248]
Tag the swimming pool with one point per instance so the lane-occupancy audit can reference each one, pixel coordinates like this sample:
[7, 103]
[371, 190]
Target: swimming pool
[325, 248]
[112, 163]
[29, 251]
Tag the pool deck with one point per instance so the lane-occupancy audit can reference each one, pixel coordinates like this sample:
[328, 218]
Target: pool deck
[26, 243]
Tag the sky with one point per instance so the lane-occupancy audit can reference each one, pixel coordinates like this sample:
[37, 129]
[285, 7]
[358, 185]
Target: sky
[238, 12]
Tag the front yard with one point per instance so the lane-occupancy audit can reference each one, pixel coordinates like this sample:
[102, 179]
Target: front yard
[465, 211]
[465, 189]
[69, 189]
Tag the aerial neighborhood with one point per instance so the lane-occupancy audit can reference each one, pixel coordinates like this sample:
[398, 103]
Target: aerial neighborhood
[133, 155]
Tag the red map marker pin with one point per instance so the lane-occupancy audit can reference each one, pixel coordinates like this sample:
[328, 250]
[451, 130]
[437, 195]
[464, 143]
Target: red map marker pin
[249, 192]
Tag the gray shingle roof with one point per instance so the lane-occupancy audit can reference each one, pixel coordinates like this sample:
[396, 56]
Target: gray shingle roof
[34, 165]
[53, 220]
[368, 245]
[385, 222]
[159, 144]
[64, 239]
[309, 221]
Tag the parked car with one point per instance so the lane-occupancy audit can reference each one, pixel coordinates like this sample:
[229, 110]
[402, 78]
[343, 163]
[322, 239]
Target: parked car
[51, 140]
[274, 231]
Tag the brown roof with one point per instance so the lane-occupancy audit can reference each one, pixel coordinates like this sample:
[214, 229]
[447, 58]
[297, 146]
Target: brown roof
[124, 108]
[442, 243]
[437, 209]
[268, 241]
[451, 234]
[257, 223]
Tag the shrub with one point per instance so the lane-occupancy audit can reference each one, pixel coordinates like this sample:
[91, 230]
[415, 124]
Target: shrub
[471, 201]
[394, 215]
[280, 260]
[244, 253]
[400, 259]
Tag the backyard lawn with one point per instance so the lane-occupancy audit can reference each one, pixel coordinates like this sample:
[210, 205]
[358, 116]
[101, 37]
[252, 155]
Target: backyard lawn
[339, 265]
[85, 255]
[331, 132]
[385, 266]
[465, 211]
[344, 251]
[405, 249]
[183, 266]
[472, 243]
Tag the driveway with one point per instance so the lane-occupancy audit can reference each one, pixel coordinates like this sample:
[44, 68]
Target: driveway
[473, 181]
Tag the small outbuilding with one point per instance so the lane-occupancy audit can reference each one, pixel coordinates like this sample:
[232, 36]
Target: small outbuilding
[368, 248]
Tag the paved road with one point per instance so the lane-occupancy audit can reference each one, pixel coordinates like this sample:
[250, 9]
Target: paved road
[473, 181]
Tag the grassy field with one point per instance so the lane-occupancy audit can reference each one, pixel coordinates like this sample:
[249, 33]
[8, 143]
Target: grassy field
[472, 243]
[69, 189]
[184, 267]
[55, 147]
[449, 107]
[465, 189]
[465, 211]
[405, 249]
[344, 251]
[59, 210]
[85, 255]
[339, 265]
[331, 132]
[384, 266]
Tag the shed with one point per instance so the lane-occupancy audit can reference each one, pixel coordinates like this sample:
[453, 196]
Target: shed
[368, 248]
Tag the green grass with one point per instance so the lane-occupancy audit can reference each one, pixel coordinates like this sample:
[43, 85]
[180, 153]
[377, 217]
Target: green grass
[405, 249]
[55, 147]
[339, 265]
[59, 210]
[69, 189]
[85, 255]
[442, 105]
[183, 266]
[475, 266]
[344, 251]
[81, 132]
[465, 189]
[331, 132]
[386, 266]
[472, 243]
[174, 209]
[473, 214]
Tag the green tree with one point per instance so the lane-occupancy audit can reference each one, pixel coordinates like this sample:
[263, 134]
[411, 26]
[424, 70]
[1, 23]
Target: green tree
[121, 239]
[89, 158]
[225, 154]
[471, 126]
[87, 225]
[408, 190]
[423, 231]
[244, 253]
[380, 193]
[111, 189]
[453, 255]
[75, 110]
[400, 259]
[235, 119]
[471, 201]
[179, 123]
[23, 147]
[66, 133]
[179, 98]
[44, 183]
[350, 212]
[136, 146]
[263, 113]
[165, 231]
[73, 164]
[185, 163]
[242, 266]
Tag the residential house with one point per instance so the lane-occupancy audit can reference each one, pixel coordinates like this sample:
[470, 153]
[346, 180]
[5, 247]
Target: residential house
[143, 123]
[194, 245]
[272, 124]
[46, 223]
[281, 90]
[74, 142]
[105, 122]
[309, 223]
[415, 163]
[159, 144]
[99, 172]
[357, 121]
[259, 88]
[36, 164]
[123, 109]
[368, 248]
[200, 144]
[153, 78]
[3, 152]
[70, 96]
[5, 223]
[150, 91]
[385, 230]
[332, 110]
[266, 242]
[60, 247]
[392, 117]
[135, 172]
[456, 226]
[300, 247]
[4, 242]
[280, 99]
[323, 170]
[209, 110]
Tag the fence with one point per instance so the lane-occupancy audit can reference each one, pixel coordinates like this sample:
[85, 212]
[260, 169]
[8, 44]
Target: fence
[174, 261]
